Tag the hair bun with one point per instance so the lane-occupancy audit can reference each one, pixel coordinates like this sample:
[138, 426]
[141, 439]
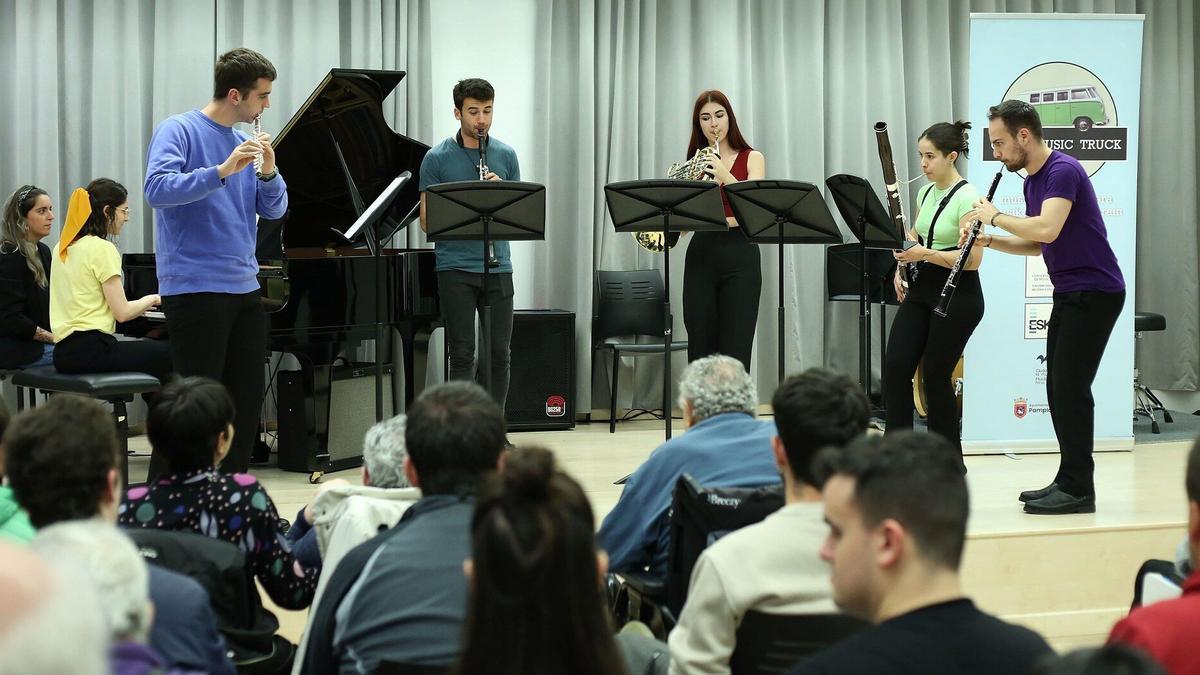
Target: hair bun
[528, 471]
[963, 125]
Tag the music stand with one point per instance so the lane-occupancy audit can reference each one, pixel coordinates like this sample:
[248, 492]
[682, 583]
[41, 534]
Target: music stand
[367, 225]
[782, 212]
[870, 224]
[485, 211]
[665, 206]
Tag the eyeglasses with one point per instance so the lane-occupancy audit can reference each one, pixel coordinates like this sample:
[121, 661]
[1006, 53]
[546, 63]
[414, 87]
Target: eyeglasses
[124, 209]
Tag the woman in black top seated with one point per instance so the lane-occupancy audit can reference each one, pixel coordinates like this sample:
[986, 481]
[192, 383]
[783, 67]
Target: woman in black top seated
[25, 338]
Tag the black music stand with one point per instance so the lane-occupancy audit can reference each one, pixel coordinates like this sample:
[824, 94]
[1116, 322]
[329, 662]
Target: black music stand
[869, 222]
[665, 206]
[782, 212]
[367, 225]
[485, 211]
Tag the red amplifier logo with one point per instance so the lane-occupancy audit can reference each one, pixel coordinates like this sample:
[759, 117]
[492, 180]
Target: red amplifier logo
[556, 406]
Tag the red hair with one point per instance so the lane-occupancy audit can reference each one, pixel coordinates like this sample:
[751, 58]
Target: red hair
[699, 140]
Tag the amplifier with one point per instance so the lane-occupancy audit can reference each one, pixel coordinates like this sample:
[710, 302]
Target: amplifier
[541, 388]
[322, 430]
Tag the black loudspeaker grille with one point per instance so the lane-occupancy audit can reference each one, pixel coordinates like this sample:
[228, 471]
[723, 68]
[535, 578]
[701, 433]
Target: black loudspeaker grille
[541, 389]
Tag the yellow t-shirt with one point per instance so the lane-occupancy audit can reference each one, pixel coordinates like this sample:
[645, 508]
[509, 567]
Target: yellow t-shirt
[76, 299]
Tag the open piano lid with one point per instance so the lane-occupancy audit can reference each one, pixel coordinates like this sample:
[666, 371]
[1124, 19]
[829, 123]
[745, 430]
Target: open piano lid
[337, 154]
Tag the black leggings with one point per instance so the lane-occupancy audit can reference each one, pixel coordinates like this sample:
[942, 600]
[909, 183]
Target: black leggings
[919, 335]
[722, 277]
[93, 351]
[1080, 324]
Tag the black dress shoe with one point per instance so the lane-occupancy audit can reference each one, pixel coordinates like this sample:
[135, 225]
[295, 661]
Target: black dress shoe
[1059, 502]
[1030, 495]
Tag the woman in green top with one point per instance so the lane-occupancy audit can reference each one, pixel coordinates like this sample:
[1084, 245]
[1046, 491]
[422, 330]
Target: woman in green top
[919, 336]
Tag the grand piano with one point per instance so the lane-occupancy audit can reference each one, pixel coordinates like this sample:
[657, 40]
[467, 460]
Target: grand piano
[322, 292]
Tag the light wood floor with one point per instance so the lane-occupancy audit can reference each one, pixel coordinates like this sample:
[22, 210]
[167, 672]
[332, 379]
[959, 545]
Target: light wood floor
[1069, 577]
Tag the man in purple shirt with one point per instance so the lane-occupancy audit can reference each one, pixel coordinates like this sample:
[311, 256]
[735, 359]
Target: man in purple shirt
[205, 204]
[1063, 224]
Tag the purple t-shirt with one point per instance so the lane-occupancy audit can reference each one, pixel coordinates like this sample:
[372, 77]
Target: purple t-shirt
[1080, 259]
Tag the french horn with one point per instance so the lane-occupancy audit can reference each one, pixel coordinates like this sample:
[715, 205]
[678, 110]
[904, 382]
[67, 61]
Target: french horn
[695, 168]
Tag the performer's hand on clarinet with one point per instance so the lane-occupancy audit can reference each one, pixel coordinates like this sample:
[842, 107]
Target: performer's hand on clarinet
[268, 153]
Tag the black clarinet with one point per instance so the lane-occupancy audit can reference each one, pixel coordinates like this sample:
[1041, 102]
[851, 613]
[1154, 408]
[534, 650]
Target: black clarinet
[895, 207]
[492, 261]
[943, 305]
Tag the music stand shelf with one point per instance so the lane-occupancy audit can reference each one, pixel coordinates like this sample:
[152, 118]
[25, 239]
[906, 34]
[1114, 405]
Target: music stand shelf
[665, 206]
[485, 211]
[782, 212]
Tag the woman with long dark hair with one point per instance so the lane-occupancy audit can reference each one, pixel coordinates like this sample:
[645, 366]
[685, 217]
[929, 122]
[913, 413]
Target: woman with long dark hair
[88, 298]
[25, 337]
[918, 335]
[722, 273]
[536, 605]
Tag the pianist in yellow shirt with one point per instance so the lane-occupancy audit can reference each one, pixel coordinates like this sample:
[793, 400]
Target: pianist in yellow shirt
[87, 298]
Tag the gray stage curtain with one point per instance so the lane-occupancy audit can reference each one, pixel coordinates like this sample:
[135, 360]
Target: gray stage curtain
[615, 81]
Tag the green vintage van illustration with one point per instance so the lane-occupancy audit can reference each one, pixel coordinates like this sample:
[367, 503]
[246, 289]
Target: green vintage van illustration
[1079, 106]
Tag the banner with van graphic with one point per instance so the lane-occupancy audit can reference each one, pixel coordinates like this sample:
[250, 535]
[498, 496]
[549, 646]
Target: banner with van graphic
[1082, 73]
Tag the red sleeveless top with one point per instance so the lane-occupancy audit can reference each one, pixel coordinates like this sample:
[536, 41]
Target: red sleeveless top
[740, 171]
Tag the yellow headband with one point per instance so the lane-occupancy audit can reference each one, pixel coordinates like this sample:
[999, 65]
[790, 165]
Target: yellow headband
[78, 211]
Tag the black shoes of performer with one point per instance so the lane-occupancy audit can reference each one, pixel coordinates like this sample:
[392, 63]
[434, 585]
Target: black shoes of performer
[1030, 495]
[1059, 502]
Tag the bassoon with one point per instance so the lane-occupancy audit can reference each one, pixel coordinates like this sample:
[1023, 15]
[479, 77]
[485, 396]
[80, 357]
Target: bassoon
[892, 185]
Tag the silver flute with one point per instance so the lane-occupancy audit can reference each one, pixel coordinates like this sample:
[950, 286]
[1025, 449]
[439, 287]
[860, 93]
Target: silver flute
[258, 159]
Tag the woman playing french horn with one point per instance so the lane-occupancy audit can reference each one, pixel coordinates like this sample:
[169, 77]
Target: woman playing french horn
[722, 272]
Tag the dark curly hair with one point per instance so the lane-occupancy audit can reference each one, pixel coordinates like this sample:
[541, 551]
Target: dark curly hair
[57, 458]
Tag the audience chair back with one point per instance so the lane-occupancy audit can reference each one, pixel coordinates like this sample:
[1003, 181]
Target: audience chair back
[702, 515]
[220, 567]
[774, 643]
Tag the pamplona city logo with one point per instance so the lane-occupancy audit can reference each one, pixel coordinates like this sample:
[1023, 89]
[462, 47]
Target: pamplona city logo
[1079, 116]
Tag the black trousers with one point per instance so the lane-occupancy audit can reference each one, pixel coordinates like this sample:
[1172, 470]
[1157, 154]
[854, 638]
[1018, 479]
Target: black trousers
[920, 335]
[93, 351]
[1080, 324]
[222, 336]
[461, 297]
[722, 278]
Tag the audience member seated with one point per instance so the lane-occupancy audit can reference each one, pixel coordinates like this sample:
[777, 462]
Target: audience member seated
[63, 463]
[190, 425]
[109, 559]
[897, 510]
[1169, 630]
[87, 297]
[345, 515]
[401, 596]
[772, 566]
[41, 607]
[14, 521]
[536, 603]
[724, 446]
[1111, 659]
[25, 337]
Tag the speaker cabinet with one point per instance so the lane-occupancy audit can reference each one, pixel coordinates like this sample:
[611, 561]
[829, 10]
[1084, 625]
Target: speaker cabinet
[541, 389]
[324, 412]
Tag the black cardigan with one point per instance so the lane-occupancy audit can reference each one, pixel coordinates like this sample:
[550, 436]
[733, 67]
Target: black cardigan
[24, 306]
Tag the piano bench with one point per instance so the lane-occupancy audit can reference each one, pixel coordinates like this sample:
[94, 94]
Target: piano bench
[115, 388]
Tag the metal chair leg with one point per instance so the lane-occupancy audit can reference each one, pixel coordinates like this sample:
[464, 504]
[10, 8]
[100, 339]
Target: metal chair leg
[612, 404]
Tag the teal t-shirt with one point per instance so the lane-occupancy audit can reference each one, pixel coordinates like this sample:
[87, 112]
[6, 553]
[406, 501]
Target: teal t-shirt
[929, 198]
[449, 162]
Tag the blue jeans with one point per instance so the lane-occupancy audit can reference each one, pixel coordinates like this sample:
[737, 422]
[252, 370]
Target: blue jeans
[46, 360]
